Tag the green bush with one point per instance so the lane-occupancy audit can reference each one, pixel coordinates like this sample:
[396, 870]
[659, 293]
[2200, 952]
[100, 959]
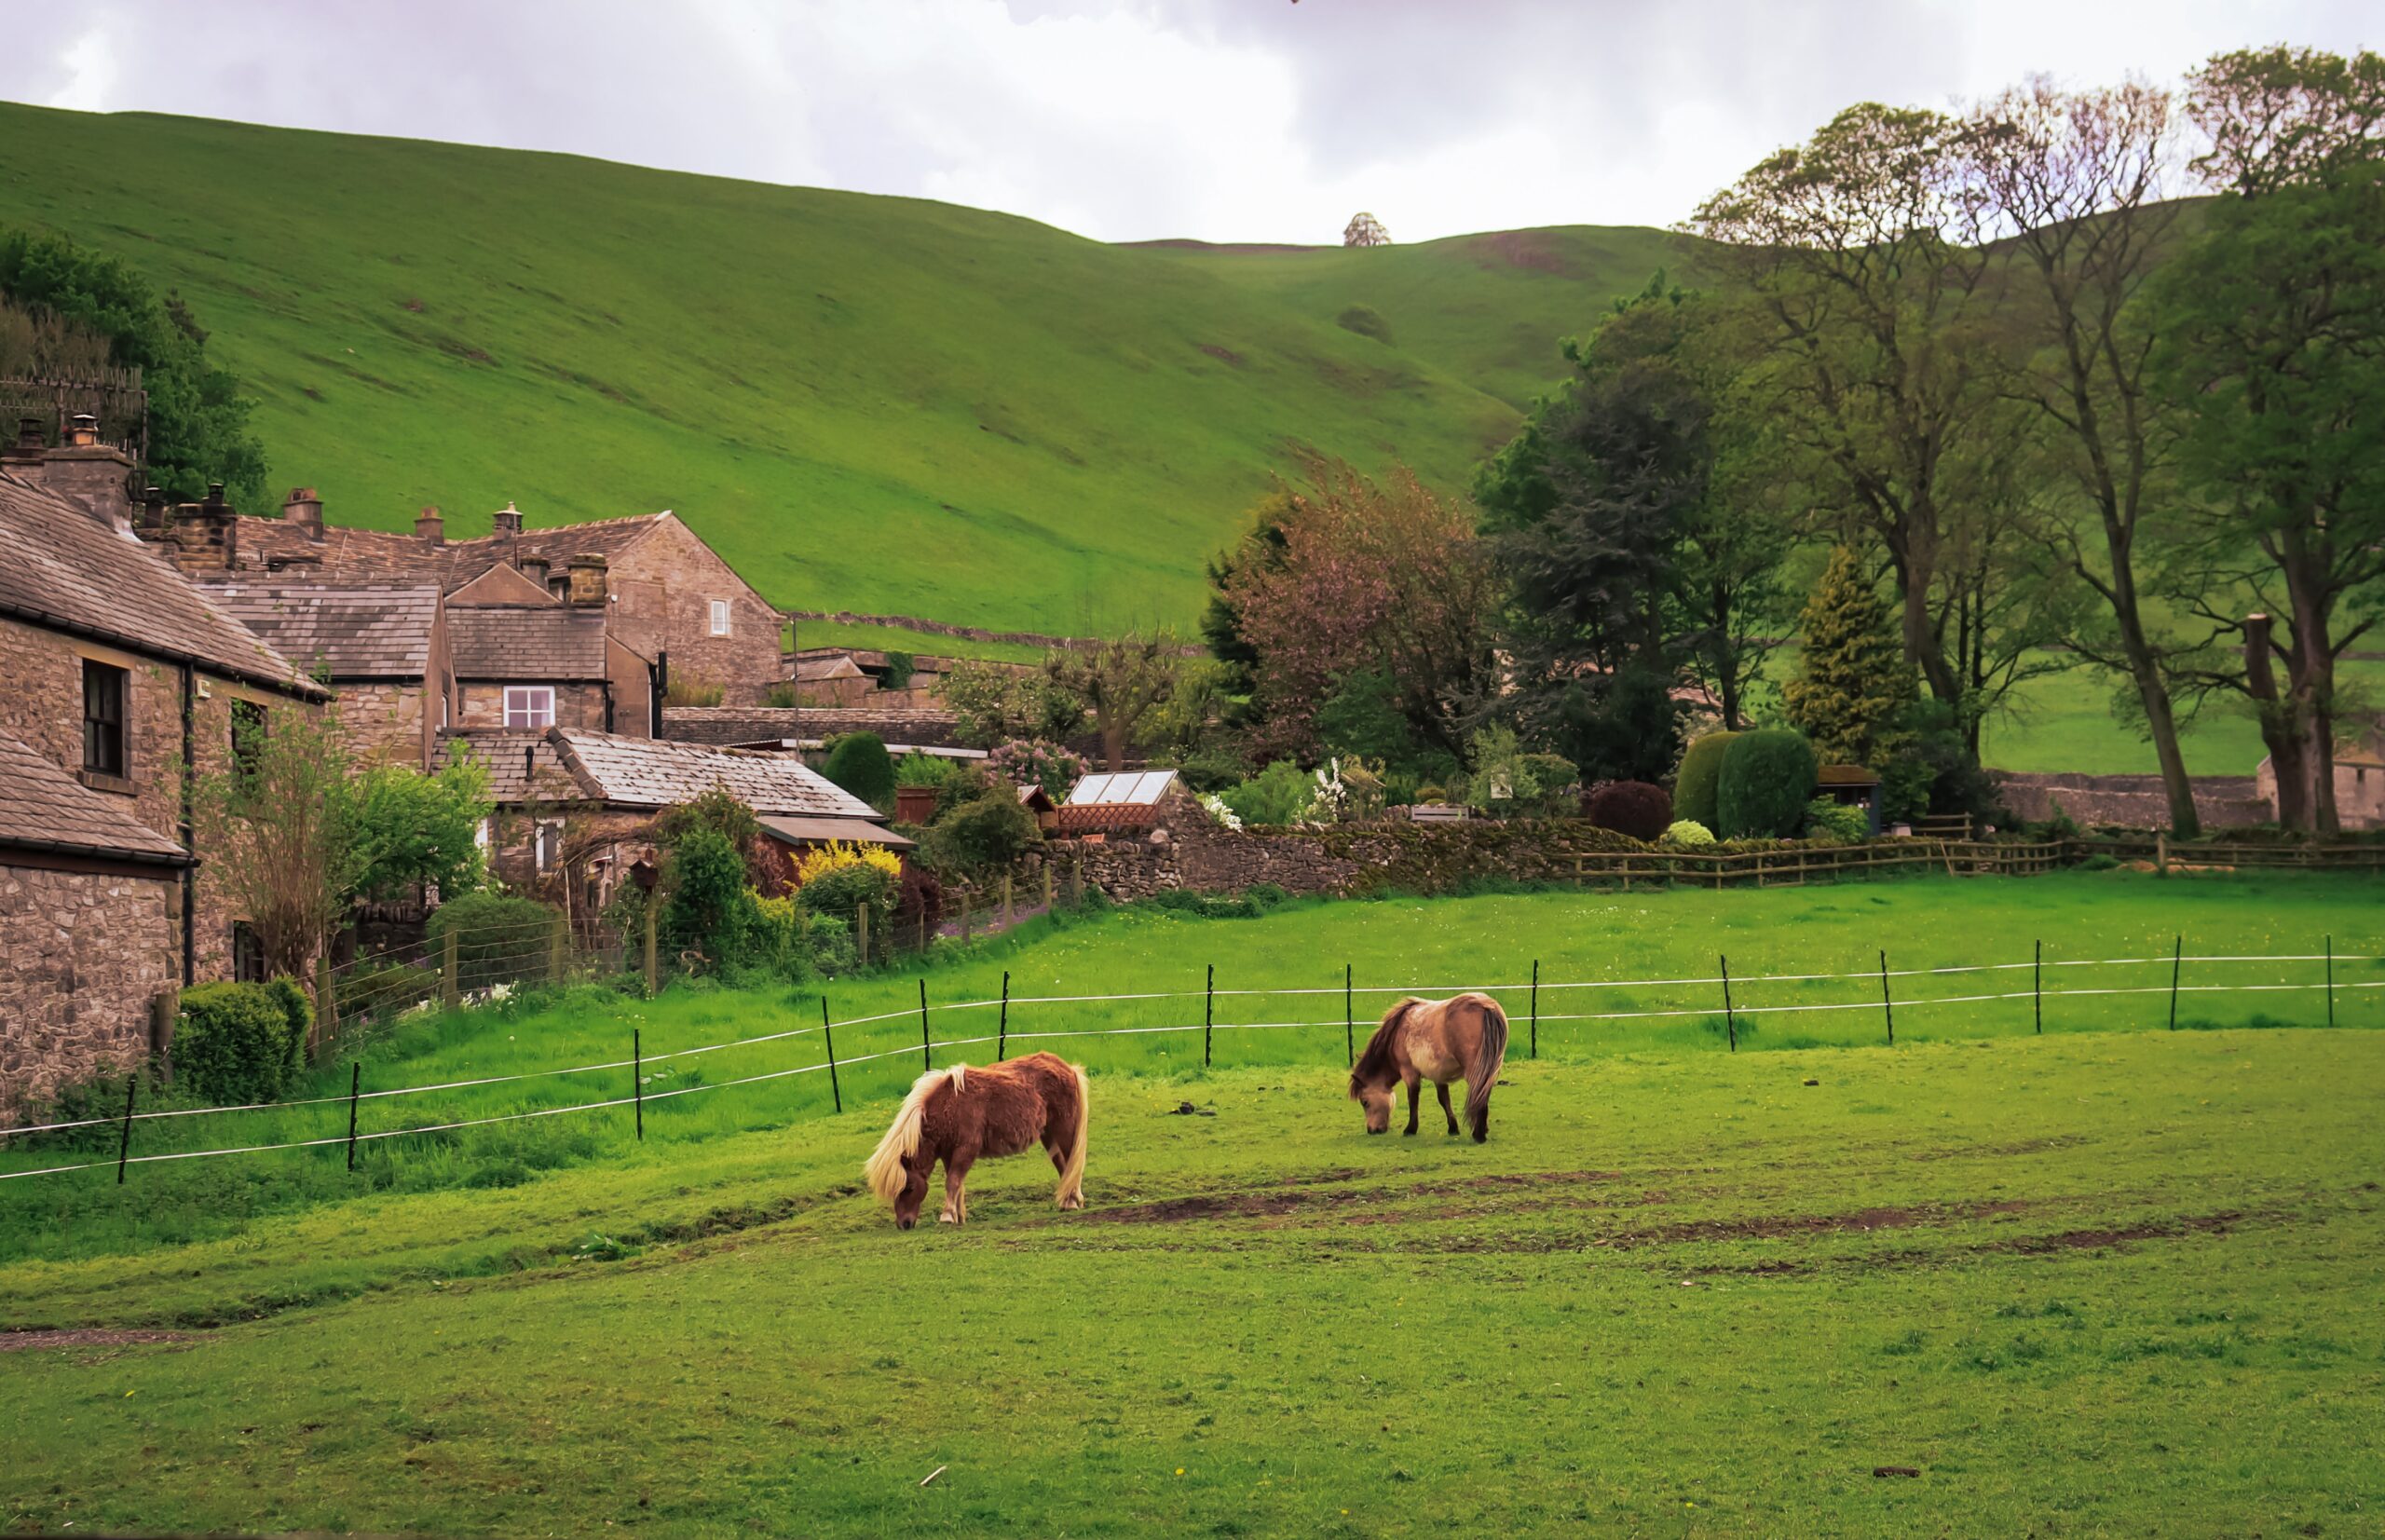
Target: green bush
[842, 890]
[232, 1044]
[1279, 794]
[1767, 778]
[779, 938]
[922, 769]
[1688, 834]
[500, 939]
[985, 835]
[861, 765]
[1826, 819]
[297, 1009]
[710, 908]
[2102, 861]
[1696, 785]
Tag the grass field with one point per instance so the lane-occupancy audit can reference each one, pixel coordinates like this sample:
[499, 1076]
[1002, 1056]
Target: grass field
[875, 404]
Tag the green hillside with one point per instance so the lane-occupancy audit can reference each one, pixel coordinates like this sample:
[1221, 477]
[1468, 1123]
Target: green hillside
[1489, 309]
[866, 402]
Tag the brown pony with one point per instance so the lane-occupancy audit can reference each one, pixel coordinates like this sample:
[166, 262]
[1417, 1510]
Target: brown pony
[1462, 1038]
[958, 1114]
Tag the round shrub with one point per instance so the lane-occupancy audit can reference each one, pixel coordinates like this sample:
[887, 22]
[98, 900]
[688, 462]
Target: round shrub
[985, 835]
[1635, 808]
[1697, 784]
[1826, 819]
[1688, 834]
[861, 765]
[232, 1044]
[498, 939]
[1767, 778]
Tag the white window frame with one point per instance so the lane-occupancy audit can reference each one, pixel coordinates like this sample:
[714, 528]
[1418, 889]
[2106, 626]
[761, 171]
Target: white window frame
[536, 707]
[545, 843]
[720, 617]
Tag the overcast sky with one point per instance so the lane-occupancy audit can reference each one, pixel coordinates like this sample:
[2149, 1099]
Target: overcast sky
[1128, 119]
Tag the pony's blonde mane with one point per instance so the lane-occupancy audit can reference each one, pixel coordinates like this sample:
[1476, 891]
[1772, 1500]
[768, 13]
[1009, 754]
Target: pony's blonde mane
[883, 1170]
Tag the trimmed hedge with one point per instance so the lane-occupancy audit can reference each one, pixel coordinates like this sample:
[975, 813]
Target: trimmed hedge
[1697, 785]
[861, 765]
[498, 939]
[1636, 808]
[1767, 778]
[238, 1043]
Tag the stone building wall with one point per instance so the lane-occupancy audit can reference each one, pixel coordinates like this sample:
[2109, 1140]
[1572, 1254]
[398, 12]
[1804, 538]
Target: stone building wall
[81, 956]
[666, 583]
[2133, 801]
[388, 723]
[481, 705]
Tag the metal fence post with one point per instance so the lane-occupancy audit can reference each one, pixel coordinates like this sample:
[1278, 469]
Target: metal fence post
[1349, 1019]
[355, 1084]
[638, 1080]
[2177, 959]
[828, 1035]
[1887, 1006]
[1535, 1007]
[2038, 987]
[1730, 1021]
[1208, 1012]
[2331, 980]
[925, 1063]
[1002, 1030]
[124, 1147]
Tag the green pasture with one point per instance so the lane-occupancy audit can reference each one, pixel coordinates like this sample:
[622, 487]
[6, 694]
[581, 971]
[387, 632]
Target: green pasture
[2094, 1283]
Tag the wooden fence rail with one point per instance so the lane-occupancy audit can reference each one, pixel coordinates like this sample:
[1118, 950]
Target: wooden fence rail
[1791, 867]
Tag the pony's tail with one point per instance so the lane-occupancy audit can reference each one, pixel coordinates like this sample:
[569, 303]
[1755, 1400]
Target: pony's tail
[1490, 1053]
[1072, 1174]
[884, 1169]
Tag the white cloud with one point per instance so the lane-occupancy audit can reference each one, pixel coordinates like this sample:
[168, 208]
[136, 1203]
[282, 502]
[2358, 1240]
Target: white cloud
[1124, 119]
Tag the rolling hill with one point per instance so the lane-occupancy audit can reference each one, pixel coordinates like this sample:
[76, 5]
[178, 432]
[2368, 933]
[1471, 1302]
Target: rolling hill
[873, 403]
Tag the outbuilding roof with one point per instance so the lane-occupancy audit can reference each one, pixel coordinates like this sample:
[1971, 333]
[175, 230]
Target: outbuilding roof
[45, 809]
[563, 764]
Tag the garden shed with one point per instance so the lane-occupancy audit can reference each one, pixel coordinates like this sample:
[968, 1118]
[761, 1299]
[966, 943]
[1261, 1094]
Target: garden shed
[1852, 786]
[1123, 802]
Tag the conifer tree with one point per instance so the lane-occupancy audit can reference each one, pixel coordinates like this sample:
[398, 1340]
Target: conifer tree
[1855, 681]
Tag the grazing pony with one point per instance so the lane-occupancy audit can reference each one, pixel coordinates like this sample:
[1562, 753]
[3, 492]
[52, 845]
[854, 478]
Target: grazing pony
[1462, 1038]
[958, 1114]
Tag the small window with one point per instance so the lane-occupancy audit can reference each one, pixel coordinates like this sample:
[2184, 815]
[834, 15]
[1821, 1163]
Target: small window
[529, 705]
[248, 733]
[720, 617]
[103, 696]
[248, 953]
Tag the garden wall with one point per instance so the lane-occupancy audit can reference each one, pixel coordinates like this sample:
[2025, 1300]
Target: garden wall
[2131, 801]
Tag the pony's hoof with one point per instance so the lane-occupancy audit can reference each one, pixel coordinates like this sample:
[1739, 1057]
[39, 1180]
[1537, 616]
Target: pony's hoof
[947, 1218]
[1072, 1202]
[1482, 1139]
[1408, 1133]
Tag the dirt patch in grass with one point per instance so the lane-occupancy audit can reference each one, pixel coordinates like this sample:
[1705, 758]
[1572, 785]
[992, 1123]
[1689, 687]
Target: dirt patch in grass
[1772, 1226]
[2023, 1147]
[21, 1342]
[2088, 1240]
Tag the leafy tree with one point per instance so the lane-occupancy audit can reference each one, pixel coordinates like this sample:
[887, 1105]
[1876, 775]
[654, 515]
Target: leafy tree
[2272, 344]
[1853, 681]
[282, 825]
[1768, 777]
[1365, 229]
[422, 831]
[710, 908]
[997, 702]
[198, 422]
[1125, 681]
[1262, 546]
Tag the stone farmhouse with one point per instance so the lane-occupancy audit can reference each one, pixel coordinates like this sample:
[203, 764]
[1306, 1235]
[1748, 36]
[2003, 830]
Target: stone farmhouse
[384, 651]
[125, 683]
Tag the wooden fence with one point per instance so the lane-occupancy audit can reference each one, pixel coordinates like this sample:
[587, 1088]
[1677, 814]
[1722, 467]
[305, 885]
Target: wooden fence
[2200, 854]
[1793, 867]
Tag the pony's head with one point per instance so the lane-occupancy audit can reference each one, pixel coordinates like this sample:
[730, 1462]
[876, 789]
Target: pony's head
[912, 1194]
[1377, 1071]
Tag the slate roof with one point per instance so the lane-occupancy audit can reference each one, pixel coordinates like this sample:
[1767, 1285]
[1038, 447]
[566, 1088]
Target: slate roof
[44, 808]
[387, 556]
[65, 569]
[821, 831]
[347, 633]
[538, 642]
[646, 772]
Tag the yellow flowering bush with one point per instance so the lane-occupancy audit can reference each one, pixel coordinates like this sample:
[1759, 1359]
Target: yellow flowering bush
[820, 860]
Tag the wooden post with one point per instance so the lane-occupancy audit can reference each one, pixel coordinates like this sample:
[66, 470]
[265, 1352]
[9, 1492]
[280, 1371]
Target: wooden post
[166, 1004]
[1536, 1002]
[2331, 980]
[828, 1035]
[1349, 1019]
[2177, 958]
[925, 1063]
[965, 917]
[1208, 1012]
[860, 934]
[124, 1147]
[1887, 1006]
[1007, 911]
[1730, 1021]
[326, 1001]
[2162, 852]
[653, 972]
[1001, 1030]
[638, 1080]
[557, 949]
[2038, 987]
[355, 1084]
[451, 979]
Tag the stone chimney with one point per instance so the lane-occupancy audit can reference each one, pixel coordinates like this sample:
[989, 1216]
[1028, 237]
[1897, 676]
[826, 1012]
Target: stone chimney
[207, 535]
[508, 520]
[95, 477]
[303, 509]
[535, 568]
[156, 524]
[428, 525]
[588, 579]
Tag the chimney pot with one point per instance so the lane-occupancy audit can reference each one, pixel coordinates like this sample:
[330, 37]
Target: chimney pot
[83, 432]
[303, 509]
[428, 525]
[509, 519]
[535, 568]
[588, 579]
[29, 436]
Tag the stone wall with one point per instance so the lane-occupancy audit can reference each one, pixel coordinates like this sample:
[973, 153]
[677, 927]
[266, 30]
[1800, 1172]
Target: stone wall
[666, 583]
[577, 706]
[388, 723]
[81, 956]
[2133, 801]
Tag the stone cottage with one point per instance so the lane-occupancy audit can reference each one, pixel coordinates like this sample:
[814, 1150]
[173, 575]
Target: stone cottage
[125, 684]
[2359, 779]
[384, 651]
[665, 592]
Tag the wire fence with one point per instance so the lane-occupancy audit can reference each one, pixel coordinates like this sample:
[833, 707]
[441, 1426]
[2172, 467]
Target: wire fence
[1737, 1001]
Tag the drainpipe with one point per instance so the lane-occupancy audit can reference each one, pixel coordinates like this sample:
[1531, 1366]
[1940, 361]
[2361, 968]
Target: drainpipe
[658, 677]
[190, 873]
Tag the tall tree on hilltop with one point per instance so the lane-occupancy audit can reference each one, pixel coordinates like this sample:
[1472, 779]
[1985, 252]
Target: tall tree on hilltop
[2075, 185]
[1854, 683]
[2272, 348]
